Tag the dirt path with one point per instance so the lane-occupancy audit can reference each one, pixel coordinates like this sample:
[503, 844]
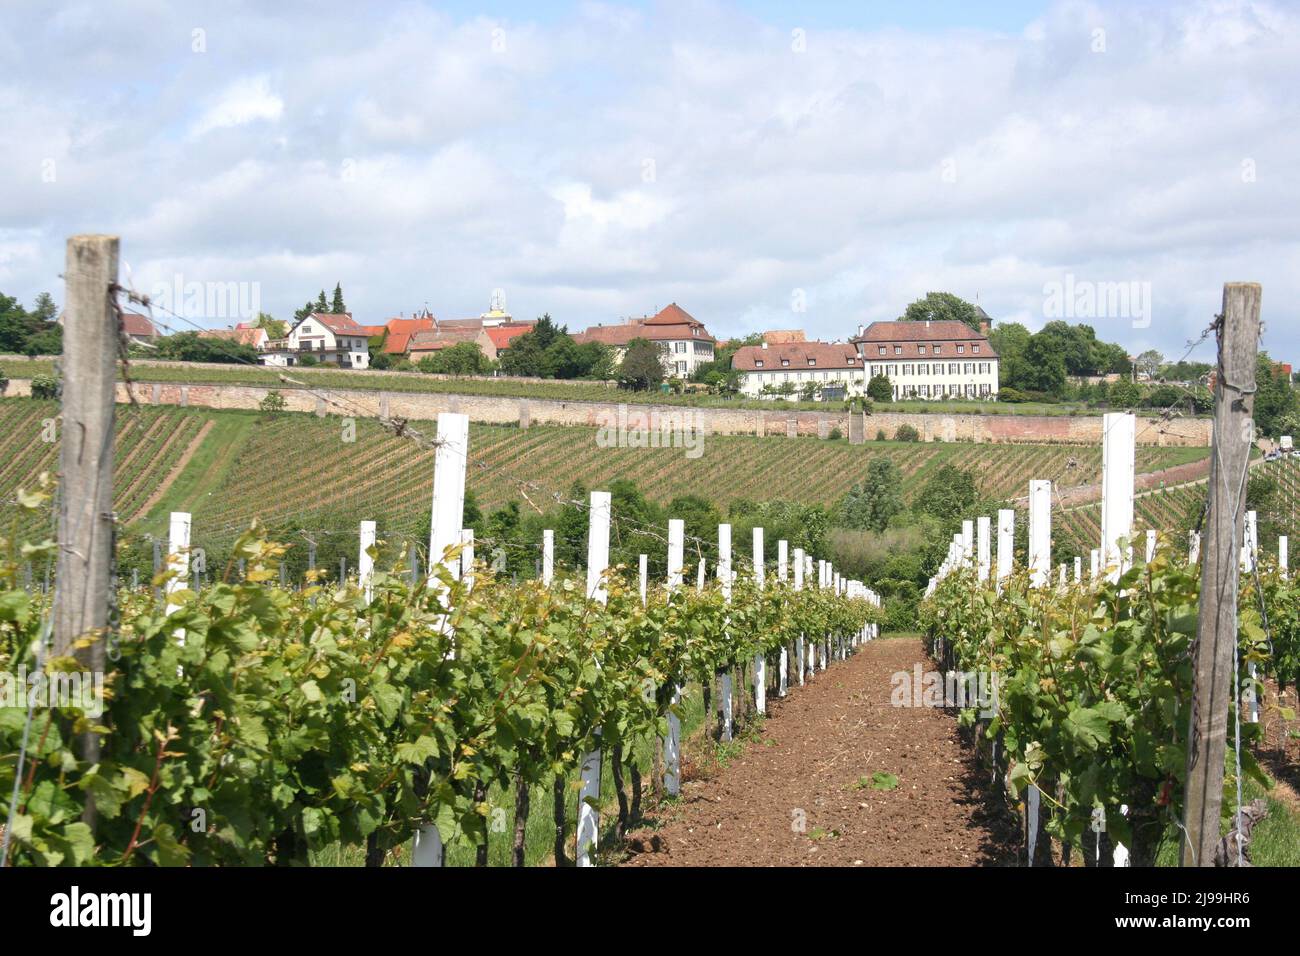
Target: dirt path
[176, 471]
[817, 745]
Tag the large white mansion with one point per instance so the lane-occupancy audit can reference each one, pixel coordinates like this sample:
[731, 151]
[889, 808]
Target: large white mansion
[926, 360]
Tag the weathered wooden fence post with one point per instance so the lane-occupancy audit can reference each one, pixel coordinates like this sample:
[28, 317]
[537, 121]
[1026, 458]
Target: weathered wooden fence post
[1216, 632]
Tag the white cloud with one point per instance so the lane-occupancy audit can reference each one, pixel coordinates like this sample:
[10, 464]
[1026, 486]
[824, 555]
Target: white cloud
[244, 101]
[419, 158]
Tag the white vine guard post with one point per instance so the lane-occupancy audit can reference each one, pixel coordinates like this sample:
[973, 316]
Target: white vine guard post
[760, 660]
[449, 462]
[672, 743]
[597, 565]
[724, 576]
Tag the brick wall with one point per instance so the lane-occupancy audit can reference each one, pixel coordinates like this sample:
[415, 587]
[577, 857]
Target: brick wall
[1006, 429]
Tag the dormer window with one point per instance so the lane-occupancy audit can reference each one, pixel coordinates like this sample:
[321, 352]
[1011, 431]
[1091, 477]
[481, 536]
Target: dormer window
[938, 349]
[921, 349]
[785, 361]
[974, 348]
[898, 350]
[758, 363]
[961, 349]
[882, 350]
[812, 361]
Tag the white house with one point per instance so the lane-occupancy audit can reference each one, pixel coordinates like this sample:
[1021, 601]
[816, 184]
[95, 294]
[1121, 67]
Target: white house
[684, 343]
[930, 359]
[792, 369]
[327, 337]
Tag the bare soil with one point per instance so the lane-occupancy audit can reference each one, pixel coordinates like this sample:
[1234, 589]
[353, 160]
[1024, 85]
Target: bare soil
[801, 794]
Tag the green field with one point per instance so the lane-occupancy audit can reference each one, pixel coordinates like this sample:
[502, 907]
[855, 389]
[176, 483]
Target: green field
[297, 468]
[149, 371]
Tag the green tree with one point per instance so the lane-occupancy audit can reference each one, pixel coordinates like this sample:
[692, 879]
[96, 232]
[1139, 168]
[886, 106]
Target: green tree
[642, 366]
[949, 495]
[527, 352]
[940, 307]
[189, 347]
[463, 358]
[871, 503]
[1149, 362]
[337, 306]
[1275, 399]
[321, 305]
[275, 328]
[880, 389]
[1040, 368]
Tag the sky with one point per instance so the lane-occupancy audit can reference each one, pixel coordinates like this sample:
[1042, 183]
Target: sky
[765, 165]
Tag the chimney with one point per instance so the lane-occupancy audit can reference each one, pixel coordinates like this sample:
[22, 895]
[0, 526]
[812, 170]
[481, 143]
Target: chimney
[862, 329]
[927, 323]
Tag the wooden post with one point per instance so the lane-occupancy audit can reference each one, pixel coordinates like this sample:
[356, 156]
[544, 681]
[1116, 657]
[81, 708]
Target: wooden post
[449, 460]
[799, 641]
[1216, 634]
[597, 565]
[86, 519]
[365, 562]
[1040, 532]
[548, 557]
[760, 661]
[724, 576]
[1282, 555]
[1006, 543]
[1119, 439]
[672, 743]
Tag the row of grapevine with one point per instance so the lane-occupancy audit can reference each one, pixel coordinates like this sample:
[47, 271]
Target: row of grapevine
[1093, 668]
[251, 723]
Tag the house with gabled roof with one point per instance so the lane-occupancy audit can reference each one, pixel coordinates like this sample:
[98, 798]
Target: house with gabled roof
[930, 359]
[684, 343]
[327, 337]
[795, 369]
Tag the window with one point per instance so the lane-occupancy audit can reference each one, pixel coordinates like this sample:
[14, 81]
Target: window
[898, 350]
[812, 361]
[785, 362]
[882, 350]
[938, 349]
[961, 349]
[907, 370]
[679, 346]
[924, 391]
[758, 363]
[969, 368]
[975, 349]
[921, 349]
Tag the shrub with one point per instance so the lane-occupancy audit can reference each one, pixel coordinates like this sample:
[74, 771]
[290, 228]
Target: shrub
[4, 382]
[880, 434]
[907, 433]
[308, 360]
[1008, 394]
[272, 403]
[45, 386]
[835, 434]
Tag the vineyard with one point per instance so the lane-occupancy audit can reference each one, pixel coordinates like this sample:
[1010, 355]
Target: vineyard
[241, 466]
[249, 724]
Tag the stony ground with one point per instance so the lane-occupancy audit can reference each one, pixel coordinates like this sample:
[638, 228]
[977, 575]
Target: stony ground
[801, 794]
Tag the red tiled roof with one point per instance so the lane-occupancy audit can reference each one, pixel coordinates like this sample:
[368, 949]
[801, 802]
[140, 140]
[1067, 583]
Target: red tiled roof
[432, 341]
[673, 314]
[827, 355]
[244, 335]
[502, 335]
[133, 323]
[372, 330]
[912, 334]
[342, 324]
